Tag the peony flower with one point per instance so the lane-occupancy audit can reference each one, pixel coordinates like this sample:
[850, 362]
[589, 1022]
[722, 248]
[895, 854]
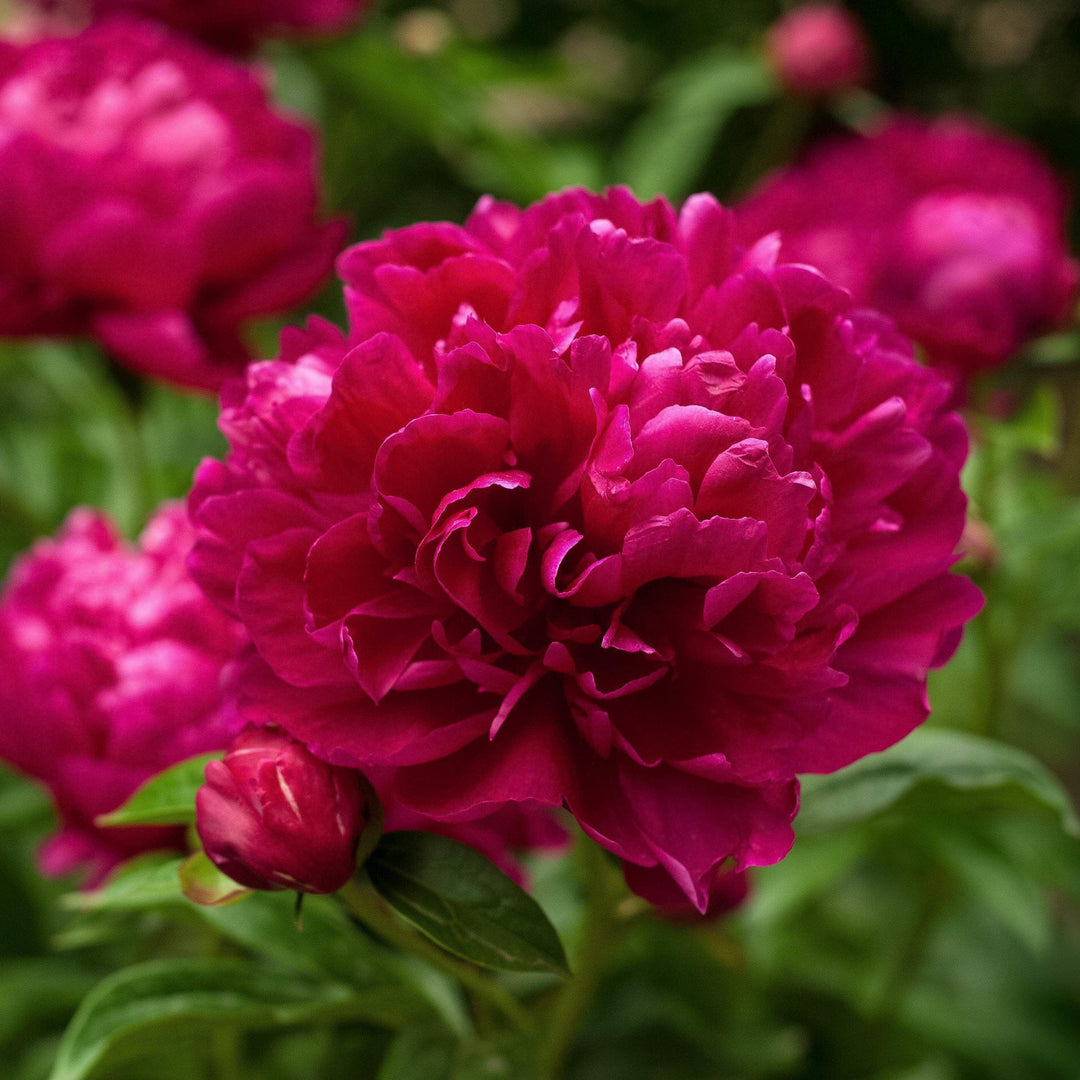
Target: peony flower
[272, 816]
[818, 49]
[114, 666]
[956, 232]
[234, 25]
[153, 198]
[592, 509]
[727, 890]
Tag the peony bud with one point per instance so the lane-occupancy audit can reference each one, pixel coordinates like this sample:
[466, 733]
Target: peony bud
[818, 49]
[273, 816]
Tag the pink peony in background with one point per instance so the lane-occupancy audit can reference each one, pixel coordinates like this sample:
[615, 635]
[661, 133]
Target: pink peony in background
[956, 232]
[818, 49]
[153, 198]
[234, 25]
[114, 668]
[593, 508]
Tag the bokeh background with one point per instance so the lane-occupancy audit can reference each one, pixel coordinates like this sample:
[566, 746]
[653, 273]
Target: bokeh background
[939, 940]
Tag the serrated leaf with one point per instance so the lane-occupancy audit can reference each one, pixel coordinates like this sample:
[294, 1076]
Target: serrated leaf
[464, 903]
[956, 759]
[131, 1010]
[165, 799]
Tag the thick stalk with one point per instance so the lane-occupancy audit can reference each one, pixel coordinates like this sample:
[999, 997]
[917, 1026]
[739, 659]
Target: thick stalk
[365, 903]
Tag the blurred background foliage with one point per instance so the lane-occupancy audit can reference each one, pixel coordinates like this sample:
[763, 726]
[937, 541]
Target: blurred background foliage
[935, 937]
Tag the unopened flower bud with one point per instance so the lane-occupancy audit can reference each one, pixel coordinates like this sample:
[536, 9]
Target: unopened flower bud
[818, 49]
[273, 816]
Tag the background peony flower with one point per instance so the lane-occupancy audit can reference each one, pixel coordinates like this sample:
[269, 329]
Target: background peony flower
[153, 198]
[593, 509]
[818, 49]
[273, 816]
[234, 25]
[956, 232]
[114, 664]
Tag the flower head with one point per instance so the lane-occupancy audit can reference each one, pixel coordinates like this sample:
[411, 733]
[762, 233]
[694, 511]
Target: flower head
[592, 509]
[818, 49]
[152, 198]
[954, 231]
[227, 24]
[114, 665]
[272, 816]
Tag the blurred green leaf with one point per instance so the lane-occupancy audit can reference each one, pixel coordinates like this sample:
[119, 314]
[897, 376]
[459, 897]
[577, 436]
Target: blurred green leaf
[38, 991]
[955, 759]
[666, 150]
[327, 945]
[466, 904]
[147, 881]
[420, 1050]
[165, 799]
[1015, 896]
[130, 1011]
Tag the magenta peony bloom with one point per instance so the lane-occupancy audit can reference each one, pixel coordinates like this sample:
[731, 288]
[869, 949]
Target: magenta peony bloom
[727, 889]
[953, 230]
[818, 49]
[234, 25]
[153, 198]
[114, 664]
[594, 509]
[272, 816]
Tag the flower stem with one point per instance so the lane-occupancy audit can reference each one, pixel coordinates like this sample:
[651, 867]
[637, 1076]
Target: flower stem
[225, 1054]
[364, 902]
[601, 934]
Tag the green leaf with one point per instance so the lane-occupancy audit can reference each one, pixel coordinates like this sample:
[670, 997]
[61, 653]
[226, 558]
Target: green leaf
[956, 759]
[668, 147]
[48, 991]
[151, 880]
[165, 799]
[128, 1013]
[203, 883]
[421, 1050]
[327, 946]
[464, 902]
[1014, 895]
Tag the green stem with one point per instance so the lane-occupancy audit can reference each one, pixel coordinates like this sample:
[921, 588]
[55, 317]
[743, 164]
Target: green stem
[601, 933]
[225, 1054]
[364, 902]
